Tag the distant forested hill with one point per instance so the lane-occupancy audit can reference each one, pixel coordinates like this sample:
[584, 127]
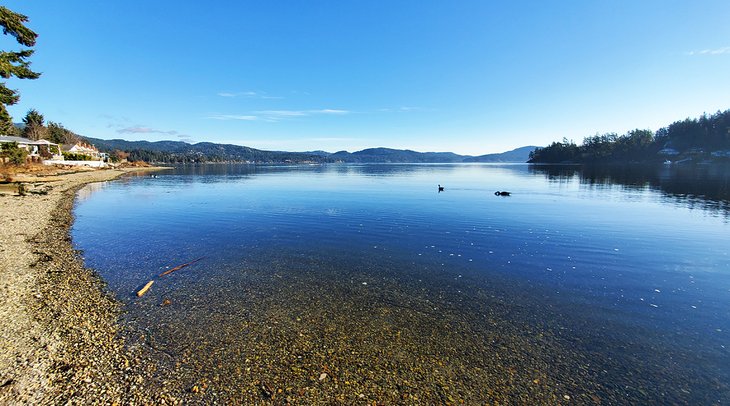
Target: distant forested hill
[521, 154]
[387, 155]
[703, 139]
[182, 152]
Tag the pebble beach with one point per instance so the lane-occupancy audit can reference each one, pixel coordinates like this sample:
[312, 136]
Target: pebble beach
[59, 337]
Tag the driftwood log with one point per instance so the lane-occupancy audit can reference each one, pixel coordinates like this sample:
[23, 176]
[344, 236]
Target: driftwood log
[179, 267]
[145, 288]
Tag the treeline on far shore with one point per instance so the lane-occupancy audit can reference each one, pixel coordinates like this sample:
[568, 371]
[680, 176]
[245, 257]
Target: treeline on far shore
[216, 155]
[702, 139]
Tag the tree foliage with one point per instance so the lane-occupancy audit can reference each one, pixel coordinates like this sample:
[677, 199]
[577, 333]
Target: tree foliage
[72, 156]
[59, 134]
[14, 63]
[687, 137]
[119, 155]
[12, 24]
[13, 153]
[710, 132]
[34, 125]
[6, 122]
[181, 152]
[565, 151]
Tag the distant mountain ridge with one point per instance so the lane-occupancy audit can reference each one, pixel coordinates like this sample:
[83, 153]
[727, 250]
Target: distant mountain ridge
[521, 154]
[388, 155]
[183, 152]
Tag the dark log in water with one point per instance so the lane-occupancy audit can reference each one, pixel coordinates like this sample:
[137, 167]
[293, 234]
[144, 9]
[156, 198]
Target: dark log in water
[179, 267]
[169, 271]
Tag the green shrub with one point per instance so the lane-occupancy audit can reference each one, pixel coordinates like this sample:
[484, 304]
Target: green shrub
[13, 152]
[70, 156]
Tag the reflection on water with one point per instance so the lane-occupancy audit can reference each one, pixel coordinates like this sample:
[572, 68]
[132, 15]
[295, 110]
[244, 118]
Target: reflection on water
[705, 187]
[362, 283]
[225, 170]
[87, 191]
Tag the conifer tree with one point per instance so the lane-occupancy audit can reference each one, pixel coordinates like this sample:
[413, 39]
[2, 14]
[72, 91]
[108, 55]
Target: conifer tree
[34, 125]
[14, 63]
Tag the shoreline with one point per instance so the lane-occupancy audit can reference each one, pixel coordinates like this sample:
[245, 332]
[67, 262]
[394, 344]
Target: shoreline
[60, 340]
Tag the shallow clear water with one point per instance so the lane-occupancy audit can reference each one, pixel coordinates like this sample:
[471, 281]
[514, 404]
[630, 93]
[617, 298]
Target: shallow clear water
[597, 284]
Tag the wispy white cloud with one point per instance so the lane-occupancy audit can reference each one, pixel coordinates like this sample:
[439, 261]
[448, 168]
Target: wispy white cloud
[282, 113]
[147, 130]
[233, 117]
[329, 111]
[300, 113]
[716, 51]
[116, 121]
[278, 115]
[402, 109]
[237, 94]
[249, 94]
[144, 130]
[300, 144]
[186, 138]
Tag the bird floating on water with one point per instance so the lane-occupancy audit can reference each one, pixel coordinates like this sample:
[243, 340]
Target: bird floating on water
[502, 193]
[441, 188]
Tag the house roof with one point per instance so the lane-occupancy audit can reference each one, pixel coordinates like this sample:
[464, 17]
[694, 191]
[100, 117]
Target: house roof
[43, 142]
[81, 147]
[19, 140]
[27, 141]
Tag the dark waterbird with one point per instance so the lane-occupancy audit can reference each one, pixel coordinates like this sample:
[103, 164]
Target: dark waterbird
[502, 193]
[441, 188]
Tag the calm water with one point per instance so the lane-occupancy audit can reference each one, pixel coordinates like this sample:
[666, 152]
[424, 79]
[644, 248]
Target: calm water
[359, 283]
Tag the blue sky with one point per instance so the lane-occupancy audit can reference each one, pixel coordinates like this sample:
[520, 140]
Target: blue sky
[471, 77]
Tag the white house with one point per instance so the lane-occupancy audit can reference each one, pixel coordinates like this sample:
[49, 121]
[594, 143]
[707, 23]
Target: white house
[83, 149]
[36, 149]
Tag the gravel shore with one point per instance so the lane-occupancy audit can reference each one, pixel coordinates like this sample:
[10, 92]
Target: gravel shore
[59, 336]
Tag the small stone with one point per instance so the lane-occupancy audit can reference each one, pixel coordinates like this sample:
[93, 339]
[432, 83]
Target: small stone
[566, 397]
[322, 376]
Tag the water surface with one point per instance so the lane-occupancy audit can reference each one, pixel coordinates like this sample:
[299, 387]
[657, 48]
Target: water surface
[362, 283]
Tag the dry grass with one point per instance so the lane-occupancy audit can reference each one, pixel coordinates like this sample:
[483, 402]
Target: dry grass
[17, 173]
